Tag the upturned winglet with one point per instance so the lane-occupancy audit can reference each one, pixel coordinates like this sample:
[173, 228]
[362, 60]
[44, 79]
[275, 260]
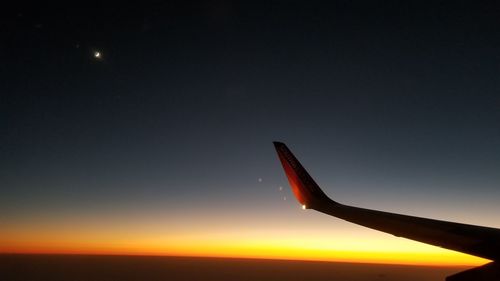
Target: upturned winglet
[303, 186]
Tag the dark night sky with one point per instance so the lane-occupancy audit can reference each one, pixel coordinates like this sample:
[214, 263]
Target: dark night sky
[388, 105]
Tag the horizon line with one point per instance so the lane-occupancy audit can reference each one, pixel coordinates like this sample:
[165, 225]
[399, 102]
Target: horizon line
[62, 253]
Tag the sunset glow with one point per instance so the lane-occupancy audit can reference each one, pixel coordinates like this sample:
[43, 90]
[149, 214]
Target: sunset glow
[296, 250]
[193, 237]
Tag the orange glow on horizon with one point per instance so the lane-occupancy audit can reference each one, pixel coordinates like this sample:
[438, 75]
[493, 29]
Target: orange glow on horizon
[351, 257]
[290, 234]
[245, 249]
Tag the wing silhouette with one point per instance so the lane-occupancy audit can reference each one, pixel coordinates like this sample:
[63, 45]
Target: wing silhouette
[470, 239]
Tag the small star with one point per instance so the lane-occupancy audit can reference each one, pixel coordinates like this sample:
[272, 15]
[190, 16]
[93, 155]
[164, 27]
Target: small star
[260, 179]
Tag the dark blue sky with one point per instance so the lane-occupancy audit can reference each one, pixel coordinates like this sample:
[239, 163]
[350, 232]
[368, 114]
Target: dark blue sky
[389, 104]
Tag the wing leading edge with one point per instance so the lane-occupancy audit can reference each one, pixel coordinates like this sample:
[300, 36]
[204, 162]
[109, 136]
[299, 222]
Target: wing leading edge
[471, 239]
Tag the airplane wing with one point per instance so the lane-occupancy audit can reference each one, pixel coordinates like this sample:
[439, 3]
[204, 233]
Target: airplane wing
[471, 239]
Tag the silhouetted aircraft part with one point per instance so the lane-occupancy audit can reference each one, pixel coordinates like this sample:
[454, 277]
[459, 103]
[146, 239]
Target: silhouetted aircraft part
[487, 272]
[470, 239]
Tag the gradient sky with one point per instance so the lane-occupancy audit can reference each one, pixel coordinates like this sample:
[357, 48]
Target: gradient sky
[164, 145]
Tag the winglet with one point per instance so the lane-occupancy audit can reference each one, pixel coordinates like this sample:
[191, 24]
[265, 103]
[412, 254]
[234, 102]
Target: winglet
[303, 186]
